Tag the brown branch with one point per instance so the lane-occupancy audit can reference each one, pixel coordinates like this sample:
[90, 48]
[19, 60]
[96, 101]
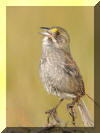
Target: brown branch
[43, 130]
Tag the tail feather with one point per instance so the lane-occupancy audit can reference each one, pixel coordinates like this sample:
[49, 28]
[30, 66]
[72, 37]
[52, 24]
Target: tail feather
[85, 115]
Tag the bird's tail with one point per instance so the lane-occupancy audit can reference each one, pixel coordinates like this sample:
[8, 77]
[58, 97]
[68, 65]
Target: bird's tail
[85, 115]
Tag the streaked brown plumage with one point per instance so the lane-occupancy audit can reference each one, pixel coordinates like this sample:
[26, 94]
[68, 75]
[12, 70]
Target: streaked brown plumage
[58, 71]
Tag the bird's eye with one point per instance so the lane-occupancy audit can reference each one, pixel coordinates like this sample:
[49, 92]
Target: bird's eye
[57, 33]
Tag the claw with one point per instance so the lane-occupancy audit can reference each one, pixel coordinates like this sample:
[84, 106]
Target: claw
[51, 111]
[51, 114]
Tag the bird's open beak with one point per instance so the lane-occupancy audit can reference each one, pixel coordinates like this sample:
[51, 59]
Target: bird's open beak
[46, 31]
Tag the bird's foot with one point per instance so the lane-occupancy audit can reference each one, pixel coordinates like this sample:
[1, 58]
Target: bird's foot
[52, 113]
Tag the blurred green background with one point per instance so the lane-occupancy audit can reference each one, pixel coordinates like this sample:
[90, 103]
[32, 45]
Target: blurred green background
[27, 99]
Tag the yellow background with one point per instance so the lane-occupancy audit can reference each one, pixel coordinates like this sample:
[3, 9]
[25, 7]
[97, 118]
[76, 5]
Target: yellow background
[27, 99]
[3, 5]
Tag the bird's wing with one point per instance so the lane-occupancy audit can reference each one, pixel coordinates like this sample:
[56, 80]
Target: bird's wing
[73, 70]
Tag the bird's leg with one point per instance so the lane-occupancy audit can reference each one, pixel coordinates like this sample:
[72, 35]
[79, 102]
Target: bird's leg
[53, 113]
[71, 110]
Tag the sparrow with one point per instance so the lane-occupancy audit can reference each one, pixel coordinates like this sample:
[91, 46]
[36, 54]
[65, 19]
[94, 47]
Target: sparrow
[60, 74]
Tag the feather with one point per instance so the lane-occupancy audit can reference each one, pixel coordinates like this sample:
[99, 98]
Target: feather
[85, 115]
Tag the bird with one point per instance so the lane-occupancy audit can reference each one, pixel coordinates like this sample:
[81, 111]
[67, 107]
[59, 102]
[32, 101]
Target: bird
[60, 74]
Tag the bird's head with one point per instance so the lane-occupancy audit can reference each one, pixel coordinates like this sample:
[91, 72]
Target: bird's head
[56, 36]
